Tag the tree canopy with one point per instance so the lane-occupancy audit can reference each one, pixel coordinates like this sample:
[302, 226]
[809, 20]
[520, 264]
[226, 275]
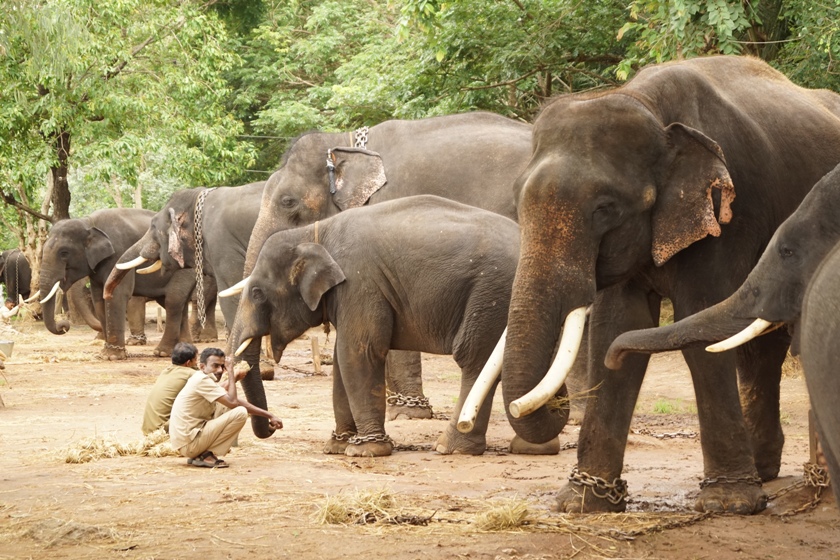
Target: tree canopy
[121, 102]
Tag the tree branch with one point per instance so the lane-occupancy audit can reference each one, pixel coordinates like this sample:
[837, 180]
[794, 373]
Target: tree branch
[502, 84]
[12, 201]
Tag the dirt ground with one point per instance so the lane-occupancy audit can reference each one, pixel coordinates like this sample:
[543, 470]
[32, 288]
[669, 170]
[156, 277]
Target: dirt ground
[57, 394]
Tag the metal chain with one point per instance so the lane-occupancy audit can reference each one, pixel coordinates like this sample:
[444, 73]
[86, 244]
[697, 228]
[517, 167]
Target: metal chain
[752, 479]
[198, 218]
[816, 477]
[138, 337]
[666, 435]
[361, 137]
[614, 492]
[343, 436]
[372, 438]
[398, 399]
[17, 278]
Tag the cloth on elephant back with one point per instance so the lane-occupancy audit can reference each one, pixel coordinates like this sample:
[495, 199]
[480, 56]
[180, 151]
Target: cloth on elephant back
[159, 403]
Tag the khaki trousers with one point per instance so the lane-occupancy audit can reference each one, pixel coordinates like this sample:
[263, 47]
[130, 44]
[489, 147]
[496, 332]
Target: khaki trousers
[218, 434]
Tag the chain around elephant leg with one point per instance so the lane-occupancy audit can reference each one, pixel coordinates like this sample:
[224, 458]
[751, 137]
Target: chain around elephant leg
[592, 494]
[337, 443]
[407, 406]
[114, 352]
[371, 445]
[742, 495]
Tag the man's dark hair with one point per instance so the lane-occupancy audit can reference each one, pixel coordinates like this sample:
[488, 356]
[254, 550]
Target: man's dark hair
[10, 301]
[183, 353]
[207, 352]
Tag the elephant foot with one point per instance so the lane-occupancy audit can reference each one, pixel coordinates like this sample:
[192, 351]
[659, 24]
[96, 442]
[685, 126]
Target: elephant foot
[740, 497]
[590, 494]
[408, 412]
[113, 353]
[162, 352]
[136, 340]
[768, 470]
[521, 447]
[374, 445]
[453, 442]
[335, 447]
[99, 335]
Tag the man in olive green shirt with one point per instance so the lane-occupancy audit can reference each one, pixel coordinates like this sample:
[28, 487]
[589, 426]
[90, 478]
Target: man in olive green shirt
[169, 383]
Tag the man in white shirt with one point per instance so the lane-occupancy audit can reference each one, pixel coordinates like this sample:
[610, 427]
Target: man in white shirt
[193, 430]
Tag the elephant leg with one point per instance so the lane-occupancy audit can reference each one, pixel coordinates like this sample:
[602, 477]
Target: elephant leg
[136, 314]
[759, 374]
[451, 441]
[115, 311]
[345, 427]
[732, 484]
[363, 376]
[609, 408]
[403, 375]
[177, 297]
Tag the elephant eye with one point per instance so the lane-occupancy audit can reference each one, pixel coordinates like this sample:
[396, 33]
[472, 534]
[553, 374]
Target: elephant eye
[64, 254]
[288, 202]
[786, 252]
[257, 295]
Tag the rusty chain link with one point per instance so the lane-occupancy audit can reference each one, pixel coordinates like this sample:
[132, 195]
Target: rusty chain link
[371, 438]
[752, 479]
[614, 492]
[198, 233]
[361, 137]
[815, 477]
[398, 399]
[665, 435]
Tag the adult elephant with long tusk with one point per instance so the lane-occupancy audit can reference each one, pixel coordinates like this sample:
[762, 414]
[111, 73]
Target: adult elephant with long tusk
[771, 296]
[90, 246]
[668, 186]
[471, 158]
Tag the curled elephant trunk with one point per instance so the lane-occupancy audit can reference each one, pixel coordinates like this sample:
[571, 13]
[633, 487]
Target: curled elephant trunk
[48, 309]
[711, 325]
[252, 384]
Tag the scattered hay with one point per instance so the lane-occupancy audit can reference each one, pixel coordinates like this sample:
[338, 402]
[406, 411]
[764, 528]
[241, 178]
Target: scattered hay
[504, 516]
[360, 507]
[792, 367]
[57, 531]
[563, 403]
[86, 450]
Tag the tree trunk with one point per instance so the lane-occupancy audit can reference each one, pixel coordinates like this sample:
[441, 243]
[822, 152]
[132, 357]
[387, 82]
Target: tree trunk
[61, 189]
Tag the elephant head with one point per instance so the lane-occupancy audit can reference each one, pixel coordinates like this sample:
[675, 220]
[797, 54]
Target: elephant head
[316, 180]
[281, 297]
[73, 250]
[609, 189]
[169, 242]
[771, 295]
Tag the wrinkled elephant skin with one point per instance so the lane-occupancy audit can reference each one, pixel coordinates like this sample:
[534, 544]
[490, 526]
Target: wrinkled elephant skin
[669, 186]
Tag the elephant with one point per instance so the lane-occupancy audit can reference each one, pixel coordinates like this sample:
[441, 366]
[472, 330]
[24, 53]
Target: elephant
[16, 274]
[819, 355]
[472, 158]
[90, 246]
[418, 273]
[629, 197]
[771, 296]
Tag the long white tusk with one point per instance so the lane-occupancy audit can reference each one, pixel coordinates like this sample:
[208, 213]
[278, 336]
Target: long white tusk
[556, 375]
[243, 346]
[234, 290]
[755, 329]
[154, 267]
[32, 298]
[131, 264]
[489, 373]
[51, 294]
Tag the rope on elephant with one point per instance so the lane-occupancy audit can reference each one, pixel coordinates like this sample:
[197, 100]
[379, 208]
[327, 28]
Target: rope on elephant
[814, 476]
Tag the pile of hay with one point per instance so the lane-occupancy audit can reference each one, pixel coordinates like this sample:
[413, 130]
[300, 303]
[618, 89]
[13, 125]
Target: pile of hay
[358, 507]
[502, 516]
[53, 532]
[86, 450]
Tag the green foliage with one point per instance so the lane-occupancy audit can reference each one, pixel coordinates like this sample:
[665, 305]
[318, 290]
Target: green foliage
[811, 56]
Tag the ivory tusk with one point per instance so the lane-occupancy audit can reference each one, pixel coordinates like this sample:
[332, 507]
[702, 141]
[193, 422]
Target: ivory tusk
[32, 298]
[755, 329]
[150, 269]
[489, 373]
[51, 294]
[243, 346]
[559, 370]
[234, 290]
[131, 264]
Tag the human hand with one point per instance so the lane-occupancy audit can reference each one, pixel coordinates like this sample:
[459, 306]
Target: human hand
[275, 423]
[240, 370]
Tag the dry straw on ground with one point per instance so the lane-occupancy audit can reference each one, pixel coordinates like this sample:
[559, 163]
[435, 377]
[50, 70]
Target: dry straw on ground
[155, 444]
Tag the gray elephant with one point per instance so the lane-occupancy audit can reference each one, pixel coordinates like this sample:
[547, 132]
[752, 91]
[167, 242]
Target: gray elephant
[418, 273]
[90, 246]
[16, 274]
[471, 158]
[629, 197]
[820, 355]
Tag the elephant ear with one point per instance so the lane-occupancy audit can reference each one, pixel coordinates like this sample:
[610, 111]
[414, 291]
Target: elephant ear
[176, 233]
[314, 272]
[358, 174]
[684, 211]
[98, 247]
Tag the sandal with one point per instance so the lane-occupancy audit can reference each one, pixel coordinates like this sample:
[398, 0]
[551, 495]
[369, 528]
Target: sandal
[202, 461]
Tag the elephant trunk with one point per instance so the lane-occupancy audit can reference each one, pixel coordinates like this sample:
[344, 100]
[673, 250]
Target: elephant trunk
[534, 326]
[146, 247]
[51, 281]
[713, 324]
[81, 304]
[252, 384]
[265, 226]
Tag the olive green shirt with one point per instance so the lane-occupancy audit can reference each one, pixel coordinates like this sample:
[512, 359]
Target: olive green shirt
[159, 404]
